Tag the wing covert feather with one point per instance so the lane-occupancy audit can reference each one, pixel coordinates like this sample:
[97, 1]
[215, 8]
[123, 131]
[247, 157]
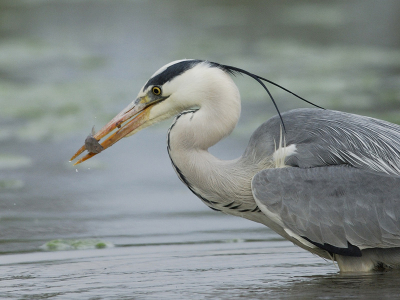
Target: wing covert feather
[334, 204]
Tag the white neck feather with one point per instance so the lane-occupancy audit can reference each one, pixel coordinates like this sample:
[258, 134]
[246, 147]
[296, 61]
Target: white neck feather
[194, 132]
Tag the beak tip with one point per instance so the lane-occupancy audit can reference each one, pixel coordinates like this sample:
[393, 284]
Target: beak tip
[79, 152]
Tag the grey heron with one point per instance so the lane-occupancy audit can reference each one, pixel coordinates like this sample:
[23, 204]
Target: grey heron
[328, 181]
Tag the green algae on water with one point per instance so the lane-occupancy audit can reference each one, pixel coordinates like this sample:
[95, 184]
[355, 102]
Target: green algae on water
[75, 244]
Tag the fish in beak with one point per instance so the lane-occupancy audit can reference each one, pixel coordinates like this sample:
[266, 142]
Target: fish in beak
[129, 121]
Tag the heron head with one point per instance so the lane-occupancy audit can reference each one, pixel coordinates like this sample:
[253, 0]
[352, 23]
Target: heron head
[177, 86]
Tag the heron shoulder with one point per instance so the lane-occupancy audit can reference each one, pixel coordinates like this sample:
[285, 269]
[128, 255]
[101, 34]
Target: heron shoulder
[327, 137]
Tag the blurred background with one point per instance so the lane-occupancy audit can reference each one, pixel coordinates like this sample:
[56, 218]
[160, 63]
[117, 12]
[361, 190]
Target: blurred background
[66, 66]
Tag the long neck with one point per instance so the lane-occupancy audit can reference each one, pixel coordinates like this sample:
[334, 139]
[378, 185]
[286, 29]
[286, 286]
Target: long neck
[222, 185]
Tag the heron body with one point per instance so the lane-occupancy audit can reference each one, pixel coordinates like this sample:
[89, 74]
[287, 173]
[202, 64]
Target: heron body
[328, 181]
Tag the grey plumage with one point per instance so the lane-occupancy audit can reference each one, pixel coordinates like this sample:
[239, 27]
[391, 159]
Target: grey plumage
[327, 137]
[344, 184]
[334, 205]
[328, 181]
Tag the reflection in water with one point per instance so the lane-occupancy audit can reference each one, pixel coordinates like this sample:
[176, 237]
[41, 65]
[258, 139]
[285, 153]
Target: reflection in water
[334, 286]
[66, 65]
[338, 286]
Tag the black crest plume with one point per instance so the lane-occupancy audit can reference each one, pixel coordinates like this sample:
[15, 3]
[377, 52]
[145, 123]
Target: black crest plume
[259, 79]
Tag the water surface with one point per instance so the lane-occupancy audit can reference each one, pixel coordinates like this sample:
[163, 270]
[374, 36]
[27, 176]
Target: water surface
[122, 225]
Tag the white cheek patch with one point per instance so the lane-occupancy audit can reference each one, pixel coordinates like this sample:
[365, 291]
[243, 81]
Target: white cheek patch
[281, 153]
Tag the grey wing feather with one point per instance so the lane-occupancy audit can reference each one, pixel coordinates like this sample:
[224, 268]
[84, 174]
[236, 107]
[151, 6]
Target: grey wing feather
[326, 137]
[333, 205]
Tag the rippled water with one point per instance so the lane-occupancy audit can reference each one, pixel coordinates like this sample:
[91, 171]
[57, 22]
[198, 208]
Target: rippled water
[122, 225]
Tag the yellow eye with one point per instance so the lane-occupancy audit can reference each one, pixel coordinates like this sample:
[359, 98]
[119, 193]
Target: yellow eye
[156, 90]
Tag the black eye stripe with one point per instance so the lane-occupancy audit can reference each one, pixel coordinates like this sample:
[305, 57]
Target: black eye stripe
[171, 72]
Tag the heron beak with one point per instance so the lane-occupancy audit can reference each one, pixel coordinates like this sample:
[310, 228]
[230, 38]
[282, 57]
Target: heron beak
[127, 122]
